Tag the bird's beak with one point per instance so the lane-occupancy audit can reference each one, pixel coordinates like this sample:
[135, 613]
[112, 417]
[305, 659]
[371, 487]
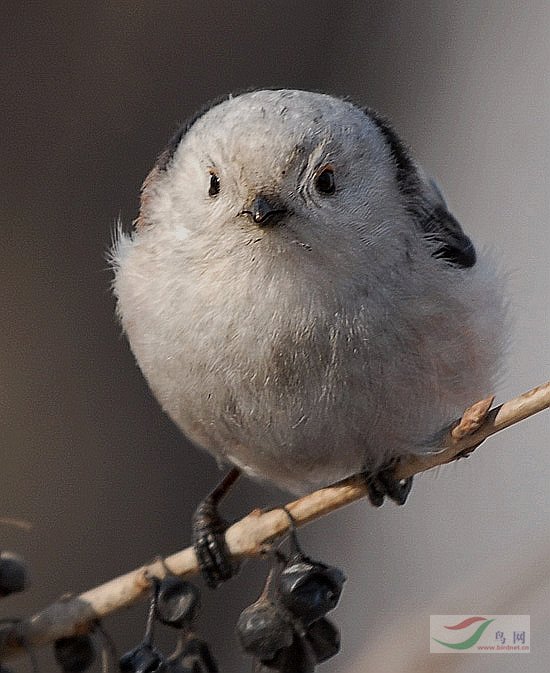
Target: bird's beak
[265, 210]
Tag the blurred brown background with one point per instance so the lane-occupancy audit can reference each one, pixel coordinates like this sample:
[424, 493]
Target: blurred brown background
[90, 93]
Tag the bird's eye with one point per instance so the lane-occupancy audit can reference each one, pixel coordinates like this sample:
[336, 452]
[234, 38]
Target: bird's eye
[324, 180]
[214, 188]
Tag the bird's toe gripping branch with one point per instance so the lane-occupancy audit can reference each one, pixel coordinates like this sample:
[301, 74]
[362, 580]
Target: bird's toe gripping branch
[209, 528]
[384, 483]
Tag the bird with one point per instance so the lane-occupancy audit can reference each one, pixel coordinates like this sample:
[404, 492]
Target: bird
[300, 299]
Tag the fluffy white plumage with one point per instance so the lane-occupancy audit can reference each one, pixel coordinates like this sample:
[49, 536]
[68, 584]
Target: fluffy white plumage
[347, 331]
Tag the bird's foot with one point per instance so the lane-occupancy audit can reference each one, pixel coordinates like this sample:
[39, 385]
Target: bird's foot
[209, 528]
[384, 483]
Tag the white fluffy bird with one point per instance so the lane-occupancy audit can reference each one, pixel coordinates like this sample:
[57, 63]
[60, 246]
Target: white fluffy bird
[299, 297]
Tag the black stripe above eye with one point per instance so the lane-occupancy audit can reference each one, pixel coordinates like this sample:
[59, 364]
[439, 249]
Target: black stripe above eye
[168, 153]
[406, 174]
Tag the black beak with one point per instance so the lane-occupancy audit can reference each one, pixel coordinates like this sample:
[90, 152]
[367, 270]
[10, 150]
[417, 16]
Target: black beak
[265, 211]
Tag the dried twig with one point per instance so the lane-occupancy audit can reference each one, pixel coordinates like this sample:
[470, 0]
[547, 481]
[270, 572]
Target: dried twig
[249, 536]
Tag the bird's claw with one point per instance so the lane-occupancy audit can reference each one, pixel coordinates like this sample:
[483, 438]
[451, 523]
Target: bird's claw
[213, 556]
[384, 483]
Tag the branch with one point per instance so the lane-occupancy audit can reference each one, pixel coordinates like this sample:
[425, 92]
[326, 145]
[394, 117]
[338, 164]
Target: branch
[250, 535]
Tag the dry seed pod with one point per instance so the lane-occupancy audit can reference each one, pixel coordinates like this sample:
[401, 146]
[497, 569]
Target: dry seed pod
[296, 658]
[177, 602]
[143, 659]
[13, 574]
[310, 589]
[324, 638]
[264, 628]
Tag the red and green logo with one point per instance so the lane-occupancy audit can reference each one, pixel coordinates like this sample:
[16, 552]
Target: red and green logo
[482, 622]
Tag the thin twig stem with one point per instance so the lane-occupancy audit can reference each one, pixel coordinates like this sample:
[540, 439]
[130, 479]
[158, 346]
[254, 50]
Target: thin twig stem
[250, 535]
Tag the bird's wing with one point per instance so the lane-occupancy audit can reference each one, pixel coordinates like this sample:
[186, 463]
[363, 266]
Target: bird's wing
[443, 229]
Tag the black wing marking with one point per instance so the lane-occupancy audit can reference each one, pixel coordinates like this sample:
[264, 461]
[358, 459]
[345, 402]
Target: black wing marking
[425, 202]
[451, 243]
